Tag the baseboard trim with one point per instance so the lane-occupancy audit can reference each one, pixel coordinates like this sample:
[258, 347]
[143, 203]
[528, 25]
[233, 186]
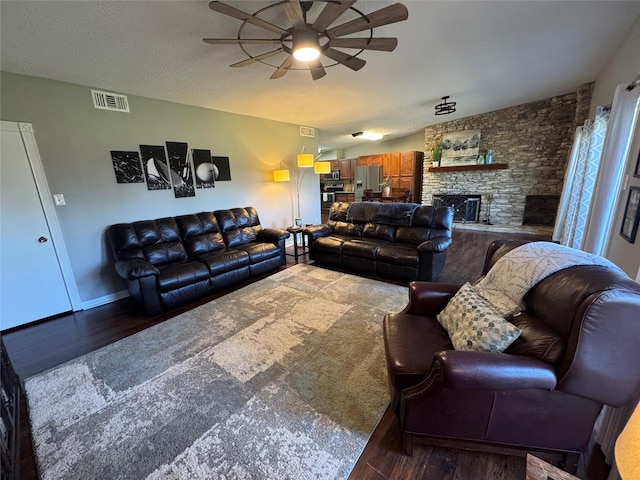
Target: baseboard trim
[97, 302]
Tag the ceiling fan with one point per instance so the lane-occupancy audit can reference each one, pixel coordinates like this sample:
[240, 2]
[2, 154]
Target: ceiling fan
[307, 42]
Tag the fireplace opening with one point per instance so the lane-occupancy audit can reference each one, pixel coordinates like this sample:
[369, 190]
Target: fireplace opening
[540, 209]
[466, 208]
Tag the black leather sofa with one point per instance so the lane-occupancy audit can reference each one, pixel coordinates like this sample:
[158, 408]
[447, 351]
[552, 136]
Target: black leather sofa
[171, 261]
[401, 241]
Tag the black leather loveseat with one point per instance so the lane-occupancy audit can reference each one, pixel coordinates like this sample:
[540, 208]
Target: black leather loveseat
[402, 241]
[174, 260]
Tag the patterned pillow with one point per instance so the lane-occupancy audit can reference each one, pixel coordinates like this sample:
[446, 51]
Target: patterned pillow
[473, 325]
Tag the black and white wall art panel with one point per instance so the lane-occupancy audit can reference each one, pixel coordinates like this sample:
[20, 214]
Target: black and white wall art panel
[206, 171]
[180, 169]
[155, 167]
[224, 171]
[127, 167]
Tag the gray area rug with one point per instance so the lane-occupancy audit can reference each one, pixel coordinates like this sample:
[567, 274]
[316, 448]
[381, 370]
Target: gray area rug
[282, 379]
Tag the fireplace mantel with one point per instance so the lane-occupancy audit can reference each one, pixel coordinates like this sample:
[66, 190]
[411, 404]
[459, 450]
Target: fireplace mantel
[460, 168]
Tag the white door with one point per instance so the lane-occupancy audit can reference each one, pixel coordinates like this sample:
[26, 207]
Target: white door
[32, 285]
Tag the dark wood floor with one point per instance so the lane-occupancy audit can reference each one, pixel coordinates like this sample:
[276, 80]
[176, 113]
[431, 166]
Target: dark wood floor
[35, 348]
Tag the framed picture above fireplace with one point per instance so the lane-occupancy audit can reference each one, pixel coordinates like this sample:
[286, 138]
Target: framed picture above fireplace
[631, 216]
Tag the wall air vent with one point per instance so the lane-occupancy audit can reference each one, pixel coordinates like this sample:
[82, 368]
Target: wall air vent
[110, 101]
[307, 131]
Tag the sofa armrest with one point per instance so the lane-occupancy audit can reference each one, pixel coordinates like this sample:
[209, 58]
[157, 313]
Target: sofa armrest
[493, 371]
[429, 298]
[316, 231]
[135, 269]
[272, 235]
[435, 244]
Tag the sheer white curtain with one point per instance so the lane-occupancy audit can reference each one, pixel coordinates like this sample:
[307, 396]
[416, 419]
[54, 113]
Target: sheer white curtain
[580, 180]
[624, 112]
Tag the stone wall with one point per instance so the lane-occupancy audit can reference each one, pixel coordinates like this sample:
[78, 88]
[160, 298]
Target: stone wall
[535, 141]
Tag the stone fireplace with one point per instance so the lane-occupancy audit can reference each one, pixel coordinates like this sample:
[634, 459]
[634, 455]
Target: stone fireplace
[466, 208]
[532, 143]
[540, 209]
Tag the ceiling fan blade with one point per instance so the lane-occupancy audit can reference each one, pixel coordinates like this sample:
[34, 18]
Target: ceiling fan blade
[294, 12]
[240, 15]
[354, 63]
[257, 58]
[330, 13]
[387, 44]
[234, 41]
[391, 14]
[283, 68]
[316, 69]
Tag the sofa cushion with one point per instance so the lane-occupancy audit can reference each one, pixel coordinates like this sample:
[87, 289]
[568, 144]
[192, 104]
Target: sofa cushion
[200, 233]
[398, 254]
[376, 230]
[237, 226]
[473, 324]
[348, 229]
[331, 244]
[413, 235]
[177, 275]
[259, 252]
[537, 339]
[222, 261]
[361, 248]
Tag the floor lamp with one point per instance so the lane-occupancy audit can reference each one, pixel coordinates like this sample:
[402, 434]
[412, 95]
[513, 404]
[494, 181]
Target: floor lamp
[304, 161]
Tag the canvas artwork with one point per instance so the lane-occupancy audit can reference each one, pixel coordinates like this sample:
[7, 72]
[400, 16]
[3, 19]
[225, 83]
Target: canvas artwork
[224, 171]
[127, 167]
[180, 170]
[155, 167]
[206, 171]
[460, 148]
[631, 217]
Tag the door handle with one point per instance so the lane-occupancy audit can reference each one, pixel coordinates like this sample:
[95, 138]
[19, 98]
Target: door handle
[43, 239]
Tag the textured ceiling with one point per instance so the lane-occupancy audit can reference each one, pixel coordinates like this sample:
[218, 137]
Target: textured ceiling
[485, 55]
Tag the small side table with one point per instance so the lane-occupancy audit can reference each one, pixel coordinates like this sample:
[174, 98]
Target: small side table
[295, 231]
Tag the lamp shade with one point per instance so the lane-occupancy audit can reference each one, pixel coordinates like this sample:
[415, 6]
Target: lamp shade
[627, 447]
[305, 159]
[281, 175]
[322, 167]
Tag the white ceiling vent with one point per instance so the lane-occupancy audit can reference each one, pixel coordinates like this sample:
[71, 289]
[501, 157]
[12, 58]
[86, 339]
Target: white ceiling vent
[110, 101]
[307, 131]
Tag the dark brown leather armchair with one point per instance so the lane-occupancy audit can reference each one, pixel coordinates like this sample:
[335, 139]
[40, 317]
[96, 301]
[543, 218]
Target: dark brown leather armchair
[579, 349]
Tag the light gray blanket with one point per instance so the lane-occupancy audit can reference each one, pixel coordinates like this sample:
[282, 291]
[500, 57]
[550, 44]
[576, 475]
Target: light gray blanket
[505, 285]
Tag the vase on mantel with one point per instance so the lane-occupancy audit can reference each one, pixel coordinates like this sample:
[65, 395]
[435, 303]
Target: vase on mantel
[488, 159]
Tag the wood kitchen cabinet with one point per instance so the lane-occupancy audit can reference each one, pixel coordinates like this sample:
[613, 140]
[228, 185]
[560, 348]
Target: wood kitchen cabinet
[347, 168]
[405, 169]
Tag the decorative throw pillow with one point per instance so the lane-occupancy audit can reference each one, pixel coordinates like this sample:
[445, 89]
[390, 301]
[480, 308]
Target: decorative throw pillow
[474, 325]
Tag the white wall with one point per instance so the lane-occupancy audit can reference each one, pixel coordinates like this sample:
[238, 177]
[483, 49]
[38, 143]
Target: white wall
[75, 141]
[623, 67]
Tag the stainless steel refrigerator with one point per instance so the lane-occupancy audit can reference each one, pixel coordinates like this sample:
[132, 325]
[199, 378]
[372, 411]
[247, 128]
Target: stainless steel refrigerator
[367, 177]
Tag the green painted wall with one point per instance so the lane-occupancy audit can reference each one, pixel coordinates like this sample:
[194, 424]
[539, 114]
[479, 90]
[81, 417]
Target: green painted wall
[75, 140]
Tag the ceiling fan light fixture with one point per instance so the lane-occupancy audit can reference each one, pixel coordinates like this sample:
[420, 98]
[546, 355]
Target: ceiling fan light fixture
[306, 45]
[367, 135]
[445, 107]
